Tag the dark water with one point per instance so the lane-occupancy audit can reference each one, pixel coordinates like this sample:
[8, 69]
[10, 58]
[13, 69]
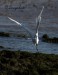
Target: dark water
[14, 43]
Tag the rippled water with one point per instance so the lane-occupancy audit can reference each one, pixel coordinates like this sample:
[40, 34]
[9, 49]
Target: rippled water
[26, 44]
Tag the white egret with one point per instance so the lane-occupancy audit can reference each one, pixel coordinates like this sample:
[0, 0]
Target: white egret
[35, 39]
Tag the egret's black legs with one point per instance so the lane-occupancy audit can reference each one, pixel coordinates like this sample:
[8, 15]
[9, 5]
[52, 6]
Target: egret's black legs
[37, 48]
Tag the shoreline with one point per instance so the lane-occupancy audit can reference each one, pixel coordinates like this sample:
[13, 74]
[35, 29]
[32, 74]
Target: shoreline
[26, 63]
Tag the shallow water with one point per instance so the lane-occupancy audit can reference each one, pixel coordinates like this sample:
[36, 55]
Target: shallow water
[27, 45]
[14, 43]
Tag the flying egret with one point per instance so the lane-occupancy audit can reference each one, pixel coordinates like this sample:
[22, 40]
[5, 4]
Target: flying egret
[35, 39]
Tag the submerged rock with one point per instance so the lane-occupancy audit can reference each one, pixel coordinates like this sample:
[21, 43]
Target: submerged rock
[46, 38]
[1, 47]
[4, 34]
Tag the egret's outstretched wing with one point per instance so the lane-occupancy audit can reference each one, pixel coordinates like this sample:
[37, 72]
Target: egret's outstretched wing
[15, 21]
[38, 19]
[20, 24]
[41, 11]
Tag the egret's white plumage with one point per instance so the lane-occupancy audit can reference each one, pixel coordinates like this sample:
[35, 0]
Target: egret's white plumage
[15, 21]
[38, 20]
